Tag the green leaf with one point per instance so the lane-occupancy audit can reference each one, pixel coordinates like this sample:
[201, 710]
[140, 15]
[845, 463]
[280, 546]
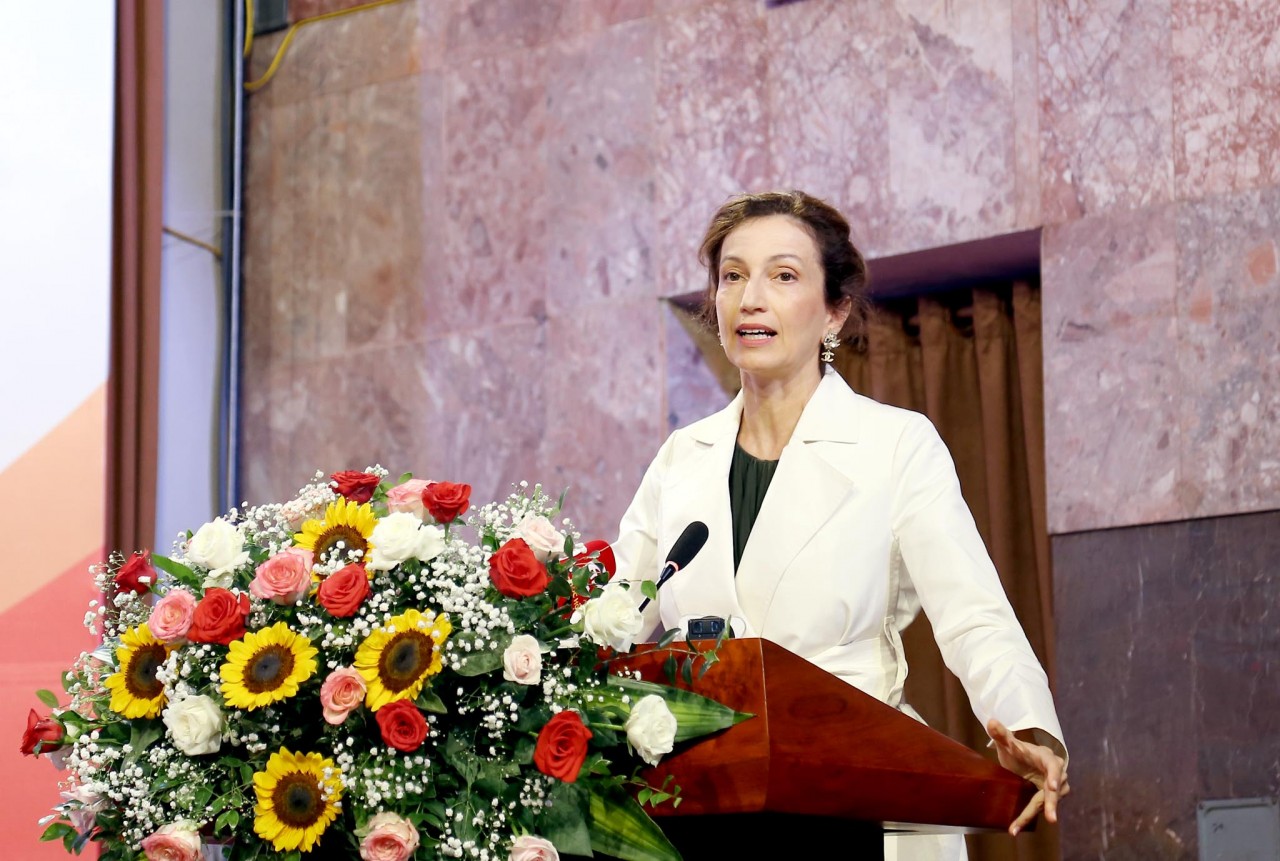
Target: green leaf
[228, 820]
[568, 546]
[405, 476]
[649, 589]
[478, 661]
[564, 820]
[695, 714]
[429, 701]
[47, 697]
[620, 827]
[142, 735]
[177, 571]
[669, 637]
[57, 831]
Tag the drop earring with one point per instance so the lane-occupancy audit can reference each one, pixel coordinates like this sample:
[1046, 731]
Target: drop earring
[829, 343]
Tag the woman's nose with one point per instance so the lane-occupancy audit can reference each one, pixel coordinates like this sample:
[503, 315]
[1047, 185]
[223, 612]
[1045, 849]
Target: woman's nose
[753, 294]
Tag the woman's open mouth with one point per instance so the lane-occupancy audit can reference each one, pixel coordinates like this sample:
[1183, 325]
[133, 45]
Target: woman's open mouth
[755, 333]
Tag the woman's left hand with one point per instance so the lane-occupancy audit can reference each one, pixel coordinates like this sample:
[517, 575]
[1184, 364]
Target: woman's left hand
[1036, 763]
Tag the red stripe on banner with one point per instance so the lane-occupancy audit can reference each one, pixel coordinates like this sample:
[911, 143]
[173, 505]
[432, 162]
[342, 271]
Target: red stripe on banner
[39, 638]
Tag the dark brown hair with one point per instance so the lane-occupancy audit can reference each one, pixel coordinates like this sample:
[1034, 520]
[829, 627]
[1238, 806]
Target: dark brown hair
[844, 271]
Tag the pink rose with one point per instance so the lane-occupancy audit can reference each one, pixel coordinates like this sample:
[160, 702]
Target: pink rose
[388, 838]
[285, 577]
[176, 841]
[171, 616]
[342, 693]
[408, 497]
[522, 661]
[529, 848]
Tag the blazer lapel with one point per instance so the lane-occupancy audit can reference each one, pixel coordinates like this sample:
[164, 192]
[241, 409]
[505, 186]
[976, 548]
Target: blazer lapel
[700, 491]
[811, 483]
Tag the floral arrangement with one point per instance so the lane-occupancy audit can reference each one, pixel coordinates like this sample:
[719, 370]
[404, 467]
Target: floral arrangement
[369, 668]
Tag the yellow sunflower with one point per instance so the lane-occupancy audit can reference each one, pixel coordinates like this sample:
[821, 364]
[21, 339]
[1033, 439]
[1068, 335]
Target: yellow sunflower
[266, 666]
[296, 801]
[135, 690]
[350, 523]
[397, 660]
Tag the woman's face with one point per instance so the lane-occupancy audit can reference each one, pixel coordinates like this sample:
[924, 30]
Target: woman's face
[770, 304]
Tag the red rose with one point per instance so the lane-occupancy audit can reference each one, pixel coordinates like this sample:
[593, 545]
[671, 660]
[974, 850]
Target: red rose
[219, 617]
[403, 726]
[446, 501]
[355, 486]
[603, 554]
[42, 735]
[343, 591]
[562, 747]
[137, 575]
[516, 571]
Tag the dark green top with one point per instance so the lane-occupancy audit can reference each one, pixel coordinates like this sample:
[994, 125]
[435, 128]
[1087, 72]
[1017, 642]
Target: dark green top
[749, 479]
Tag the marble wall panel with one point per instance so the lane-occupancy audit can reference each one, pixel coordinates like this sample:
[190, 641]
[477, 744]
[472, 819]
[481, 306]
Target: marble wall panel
[694, 390]
[828, 105]
[495, 205]
[487, 27]
[604, 405]
[1112, 431]
[952, 162]
[386, 157]
[337, 54]
[1167, 667]
[601, 230]
[257, 228]
[321, 415]
[1226, 84]
[1106, 102]
[1024, 27]
[483, 410]
[711, 129]
[592, 14]
[1229, 351]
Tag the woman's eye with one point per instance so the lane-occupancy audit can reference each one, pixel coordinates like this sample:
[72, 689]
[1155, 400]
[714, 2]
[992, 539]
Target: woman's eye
[731, 277]
[786, 276]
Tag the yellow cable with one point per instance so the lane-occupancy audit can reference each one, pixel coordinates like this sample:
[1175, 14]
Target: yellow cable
[248, 26]
[251, 86]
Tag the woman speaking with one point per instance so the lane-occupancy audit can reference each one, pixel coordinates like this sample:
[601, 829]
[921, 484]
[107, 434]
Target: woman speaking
[833, 519]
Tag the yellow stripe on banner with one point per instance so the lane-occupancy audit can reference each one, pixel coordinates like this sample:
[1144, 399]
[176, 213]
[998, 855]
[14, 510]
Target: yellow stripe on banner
[54, 499]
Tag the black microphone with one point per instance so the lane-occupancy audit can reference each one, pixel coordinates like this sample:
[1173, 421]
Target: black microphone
[682, 552]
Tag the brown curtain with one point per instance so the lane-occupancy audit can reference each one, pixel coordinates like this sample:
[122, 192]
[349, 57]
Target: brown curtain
[970, 360]
[133, 381]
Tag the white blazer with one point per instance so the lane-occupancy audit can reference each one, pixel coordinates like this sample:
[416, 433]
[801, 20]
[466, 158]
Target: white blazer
[863, 524]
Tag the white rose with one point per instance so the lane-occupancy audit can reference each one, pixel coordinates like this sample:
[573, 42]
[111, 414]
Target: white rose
[651, 728]
[541, 536]
[394, 539]
[219, 547]
[522, 661]
[195, 723]
[612, 619]
[430, 543]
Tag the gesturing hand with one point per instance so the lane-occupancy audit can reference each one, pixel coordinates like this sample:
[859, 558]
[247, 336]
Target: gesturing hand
[1036, 763]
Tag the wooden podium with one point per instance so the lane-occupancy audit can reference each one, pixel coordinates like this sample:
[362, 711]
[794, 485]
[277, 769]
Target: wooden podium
[821, 765]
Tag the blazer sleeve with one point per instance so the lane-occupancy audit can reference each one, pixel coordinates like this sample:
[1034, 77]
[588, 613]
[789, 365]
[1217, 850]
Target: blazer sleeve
[979, 636]
[636, 549]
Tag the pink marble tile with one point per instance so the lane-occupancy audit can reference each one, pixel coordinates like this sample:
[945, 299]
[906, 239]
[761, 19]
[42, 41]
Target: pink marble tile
[484, 27]
[1226, 85]
[600, 169]
[593, 14]
[1112, 437]
[605, 412]
[951, 138]
[257, 261]
[1106, 101]
[365, 47]
[827, 109]
[1229, 352]
[389, 150]
[331, 414]
[694, 386]
[495, 207]
[484, 409]
[1024, 24]
[710, 127]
